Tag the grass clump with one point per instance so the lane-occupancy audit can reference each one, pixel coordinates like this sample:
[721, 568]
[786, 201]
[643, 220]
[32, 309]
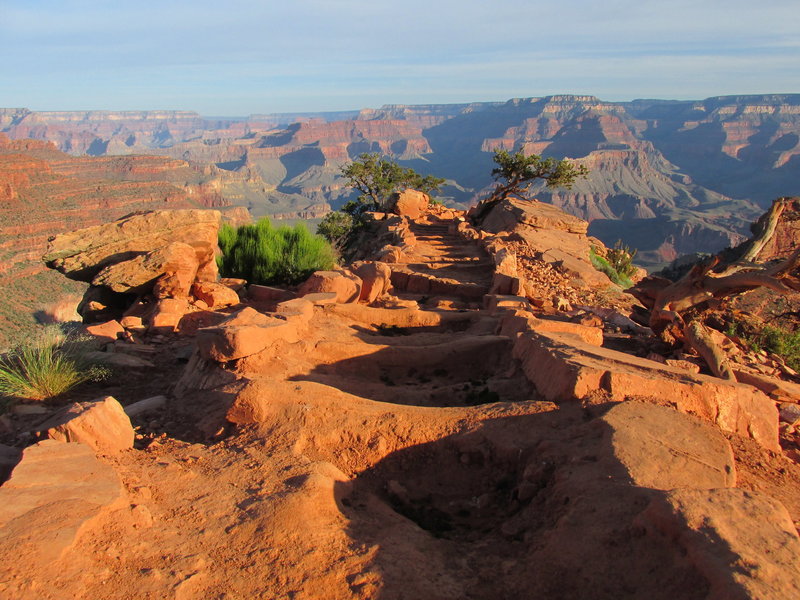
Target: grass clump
[604, 266]
[48, 364]
[264, 255]
[775, 340]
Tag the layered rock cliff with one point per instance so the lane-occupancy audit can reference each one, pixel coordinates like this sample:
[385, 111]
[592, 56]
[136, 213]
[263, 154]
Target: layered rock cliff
[45, 192]
[668, 177]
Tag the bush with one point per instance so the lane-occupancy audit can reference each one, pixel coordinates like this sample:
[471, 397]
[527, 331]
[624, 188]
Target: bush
[620, 257]
[775, 340]
[783, 343]
[337, 227]
[47, 365]
[264, 255]
[604, 266]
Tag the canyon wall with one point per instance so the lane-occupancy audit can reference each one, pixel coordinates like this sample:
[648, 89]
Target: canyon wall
[667, 177]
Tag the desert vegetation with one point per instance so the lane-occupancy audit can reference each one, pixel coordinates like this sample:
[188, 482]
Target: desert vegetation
[775, 340]
[263, 254]
[617, 263]
[48, 364]
[375, 178]
[515, 173]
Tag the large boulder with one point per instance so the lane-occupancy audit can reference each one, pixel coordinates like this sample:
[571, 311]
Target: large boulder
[344, 284]
[244, 333]
[138, 275]
[82, 254]
[215, 295]
[101, 424]
[160, 252]
[376, 280]
[410, 203]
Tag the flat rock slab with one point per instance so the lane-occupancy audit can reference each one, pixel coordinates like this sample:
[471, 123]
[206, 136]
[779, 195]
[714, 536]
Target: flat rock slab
[663, 449]
[230, 342]
[52, 497]
[83, 253]
[563, 367]
[743, 542]
[101, 424]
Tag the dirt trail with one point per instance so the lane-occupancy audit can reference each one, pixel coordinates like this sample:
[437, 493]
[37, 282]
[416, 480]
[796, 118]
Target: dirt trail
[440, 268]
[391, 462]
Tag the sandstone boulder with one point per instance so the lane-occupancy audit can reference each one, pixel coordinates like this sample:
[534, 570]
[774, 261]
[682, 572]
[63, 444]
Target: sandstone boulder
[167, 315]
[54, 495]
[245, 333]
[101, 425]
[410, 203]
[346, 286]
[139, 274]
[376, 280]
[82, 254]
[743, 543]
[106, 332]
[391, 254]
[215, 295]
[663, 449]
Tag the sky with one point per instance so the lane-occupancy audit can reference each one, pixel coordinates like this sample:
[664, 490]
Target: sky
[242, 57]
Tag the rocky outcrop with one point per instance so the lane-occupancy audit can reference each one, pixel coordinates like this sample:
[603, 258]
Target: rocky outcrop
[344, 284]
[553, 236]
[84, 253]
[168, 255]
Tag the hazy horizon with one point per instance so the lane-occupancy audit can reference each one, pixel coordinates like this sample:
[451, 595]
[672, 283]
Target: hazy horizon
[357, 109]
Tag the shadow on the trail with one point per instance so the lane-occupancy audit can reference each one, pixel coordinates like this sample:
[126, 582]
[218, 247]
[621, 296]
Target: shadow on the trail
[525, 506]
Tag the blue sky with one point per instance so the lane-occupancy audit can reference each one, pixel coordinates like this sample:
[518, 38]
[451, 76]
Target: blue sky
[238, 57]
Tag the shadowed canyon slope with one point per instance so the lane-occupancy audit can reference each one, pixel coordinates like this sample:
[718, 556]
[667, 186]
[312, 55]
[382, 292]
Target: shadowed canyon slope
[667, 177]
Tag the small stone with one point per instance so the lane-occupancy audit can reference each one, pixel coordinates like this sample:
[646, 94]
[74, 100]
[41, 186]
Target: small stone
[142, 518]
[789, 413]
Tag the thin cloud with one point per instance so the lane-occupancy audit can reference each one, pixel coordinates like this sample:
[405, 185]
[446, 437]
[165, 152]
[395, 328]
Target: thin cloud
[314, 54]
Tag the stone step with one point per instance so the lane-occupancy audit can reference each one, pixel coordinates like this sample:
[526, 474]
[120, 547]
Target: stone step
[450, 264]
[421, 283]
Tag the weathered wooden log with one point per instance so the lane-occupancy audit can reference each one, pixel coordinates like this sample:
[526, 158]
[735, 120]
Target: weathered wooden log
[699, 338]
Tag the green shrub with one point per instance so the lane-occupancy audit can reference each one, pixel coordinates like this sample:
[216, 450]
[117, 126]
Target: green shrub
[602, 265]
[337, 227]
[775, 340]
[264, 255]
[785, 344]
[47, 365]
[620, 257]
